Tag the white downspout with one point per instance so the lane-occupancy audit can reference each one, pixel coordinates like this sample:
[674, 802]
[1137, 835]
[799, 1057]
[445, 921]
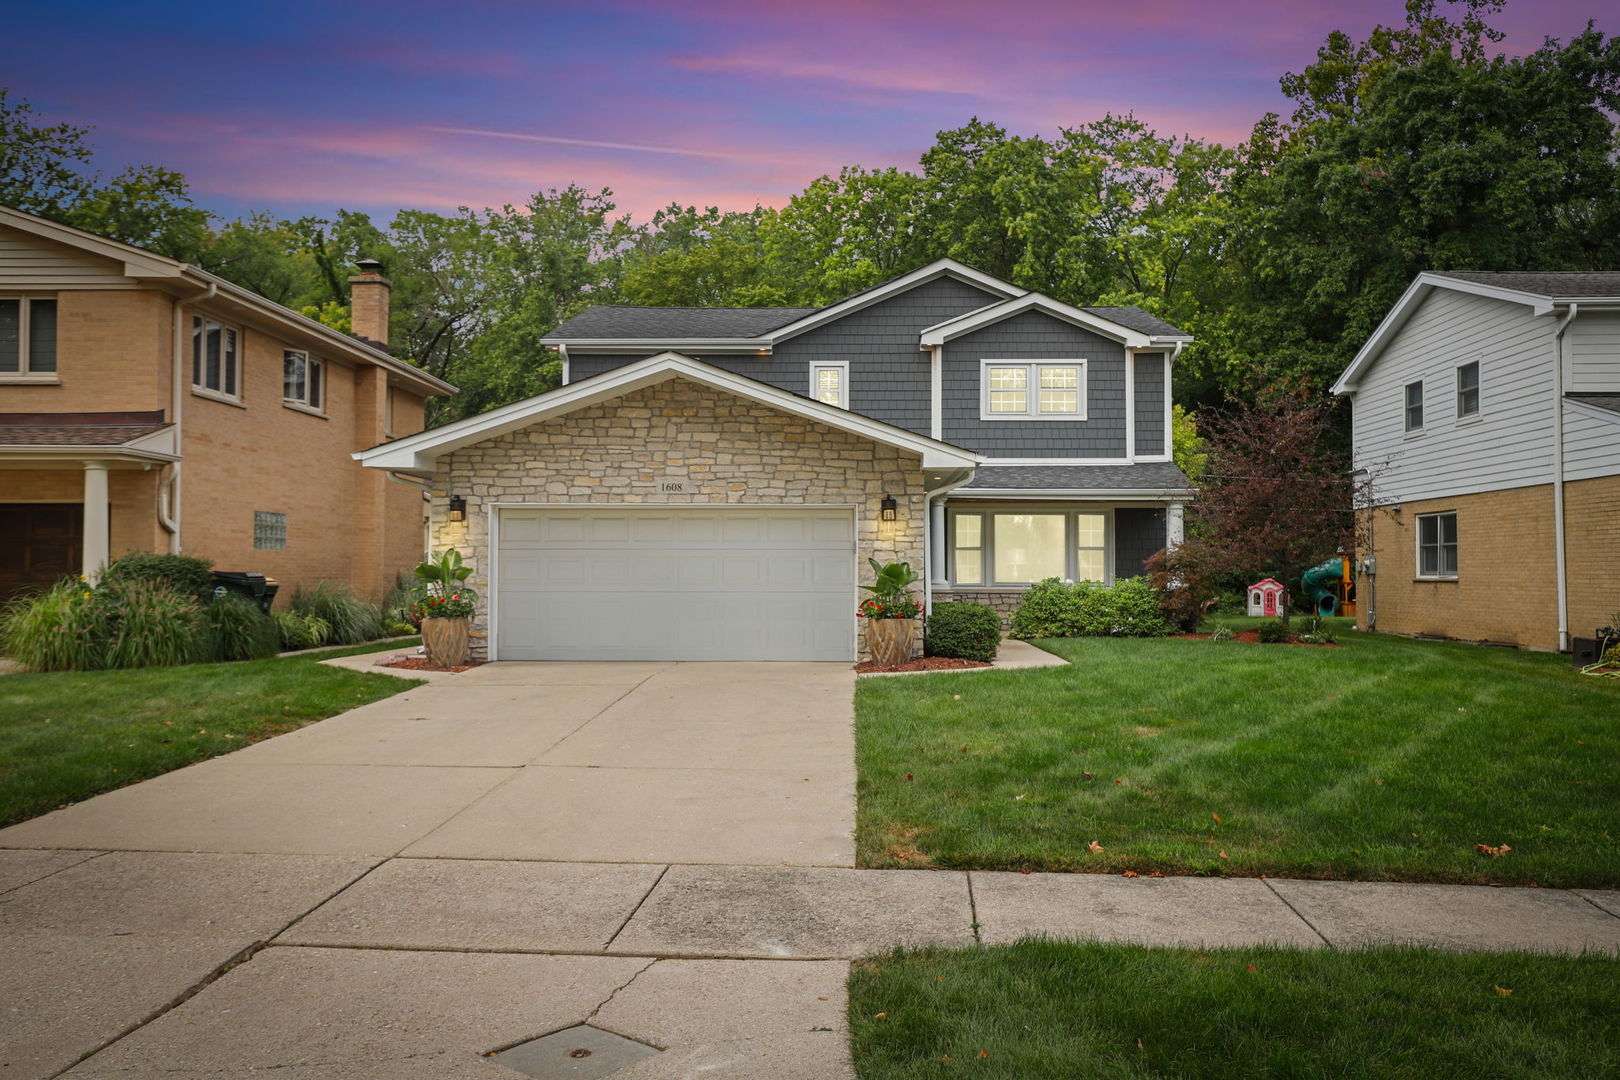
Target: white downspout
[1558, 476]
[169, 495]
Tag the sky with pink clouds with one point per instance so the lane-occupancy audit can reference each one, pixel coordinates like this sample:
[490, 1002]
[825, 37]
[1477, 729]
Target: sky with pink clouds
[300, 107]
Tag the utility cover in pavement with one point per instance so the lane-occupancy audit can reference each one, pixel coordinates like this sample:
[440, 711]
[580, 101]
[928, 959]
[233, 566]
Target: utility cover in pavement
[578, 1053]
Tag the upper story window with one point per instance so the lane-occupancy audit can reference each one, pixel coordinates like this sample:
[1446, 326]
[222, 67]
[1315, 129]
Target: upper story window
[1437, 545]
[829, 383]
[1414, 406]
[215, 363]
[303, 380]
[1468, 390]
[1039, 390]
[27, 336]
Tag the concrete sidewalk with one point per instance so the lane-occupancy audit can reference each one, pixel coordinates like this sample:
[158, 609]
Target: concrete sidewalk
[217, 965]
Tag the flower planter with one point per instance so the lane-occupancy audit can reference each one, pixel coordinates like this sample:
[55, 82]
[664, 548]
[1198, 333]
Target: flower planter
[890, 640]
[446, 641]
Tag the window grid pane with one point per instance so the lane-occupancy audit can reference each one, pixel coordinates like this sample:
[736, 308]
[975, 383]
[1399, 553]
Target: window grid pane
[211, 357]
[1009, 401]
[969, 527]
[230, 362]
[1009, 378]
[1060, 401]
[1060, 378]
[10, 335]
[1414, 406]
[196, 351]
[1092, 567]
[292, 376]
[316, 372]
[42, 335]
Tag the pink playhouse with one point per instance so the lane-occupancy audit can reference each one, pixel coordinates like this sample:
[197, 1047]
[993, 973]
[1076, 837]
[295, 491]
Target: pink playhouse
[1266, 598]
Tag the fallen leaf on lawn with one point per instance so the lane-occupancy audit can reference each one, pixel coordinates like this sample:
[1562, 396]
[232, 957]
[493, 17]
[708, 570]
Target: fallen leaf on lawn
[1094, 846]
[822, 998]
[956, 697]
[1414, 836]
[939, 978]
[1222, 854]
[1016, 798]
[1252, 967]
[946, 1059]
[1494, 852]
[1120, 782]
[1026, 871]
[984, 1053]
[908, 776]
[882, 1016]
[1086, 775]
[1217, 818]
[1130, 873]
[1155, 874]
[1504, 991]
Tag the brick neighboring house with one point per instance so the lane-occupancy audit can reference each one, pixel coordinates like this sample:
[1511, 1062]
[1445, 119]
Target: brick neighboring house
[149, 405]
[1486, 410]
[709, 483]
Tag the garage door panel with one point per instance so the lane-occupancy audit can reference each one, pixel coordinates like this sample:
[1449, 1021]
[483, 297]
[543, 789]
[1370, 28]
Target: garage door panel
[694, 584]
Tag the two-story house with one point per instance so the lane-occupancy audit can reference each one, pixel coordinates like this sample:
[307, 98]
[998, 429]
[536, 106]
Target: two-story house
[1486, 415]
[709, 483]
[148, 405]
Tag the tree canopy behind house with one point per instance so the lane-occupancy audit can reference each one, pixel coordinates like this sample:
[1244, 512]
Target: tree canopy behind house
[1416, 147]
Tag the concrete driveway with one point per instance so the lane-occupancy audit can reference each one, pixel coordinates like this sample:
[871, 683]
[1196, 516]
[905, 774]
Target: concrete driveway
[632, 762]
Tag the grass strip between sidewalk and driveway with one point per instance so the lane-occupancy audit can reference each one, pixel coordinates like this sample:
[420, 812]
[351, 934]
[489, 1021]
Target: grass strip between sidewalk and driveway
[68, 735]
[1382, 759]
[1046, 1010]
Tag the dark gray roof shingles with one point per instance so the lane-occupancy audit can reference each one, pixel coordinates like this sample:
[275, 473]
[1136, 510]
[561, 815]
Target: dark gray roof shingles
[1134, 318]
[1142, 476]
[674, 323]
[1601, 401]
[1573, 284]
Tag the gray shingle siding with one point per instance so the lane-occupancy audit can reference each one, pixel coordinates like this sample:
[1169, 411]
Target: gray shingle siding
[1150, 403]
[1036, 336]
[888, 373]
[1138, 533]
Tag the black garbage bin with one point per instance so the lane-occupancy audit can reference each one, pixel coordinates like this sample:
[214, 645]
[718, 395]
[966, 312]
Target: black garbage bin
[256, 587]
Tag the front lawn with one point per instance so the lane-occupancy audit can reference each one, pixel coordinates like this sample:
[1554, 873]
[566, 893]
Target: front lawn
[1042, 1010]
[1382, 759]
[65, 736]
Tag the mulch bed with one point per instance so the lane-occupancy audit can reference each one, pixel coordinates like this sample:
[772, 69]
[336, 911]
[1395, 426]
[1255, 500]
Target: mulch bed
[420, 663]
[922, 663]
[1252, 637]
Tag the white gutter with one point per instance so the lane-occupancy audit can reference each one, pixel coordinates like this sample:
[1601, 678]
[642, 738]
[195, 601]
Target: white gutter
[1558, 476]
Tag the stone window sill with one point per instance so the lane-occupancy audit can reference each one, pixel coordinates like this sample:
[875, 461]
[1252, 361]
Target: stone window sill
[214, 395]
[42, 379]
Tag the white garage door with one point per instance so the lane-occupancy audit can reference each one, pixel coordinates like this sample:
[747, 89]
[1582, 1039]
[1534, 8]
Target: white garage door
[675, 584]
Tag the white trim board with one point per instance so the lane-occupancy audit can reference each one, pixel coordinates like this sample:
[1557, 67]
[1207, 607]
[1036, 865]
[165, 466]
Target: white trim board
[950, 329]
[937, 269]
[417, 453]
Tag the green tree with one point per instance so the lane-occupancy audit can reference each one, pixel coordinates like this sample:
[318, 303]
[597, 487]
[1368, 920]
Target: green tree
[41, 165]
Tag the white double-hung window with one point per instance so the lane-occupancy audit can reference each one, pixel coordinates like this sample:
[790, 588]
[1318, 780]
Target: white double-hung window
[994, 547]
[1033, 390]
[302, 380]
[829, 383]
[215, 365]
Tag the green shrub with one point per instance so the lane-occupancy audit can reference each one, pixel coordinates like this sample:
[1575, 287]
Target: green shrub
[399, 615]
[238, 630]
[1129, 608]
[964, 631]
[64, 628]
[153, 625]
[1316, 632]
[350, 619]
[184, 574]
[1222, 635]
[300, 631]
[1273, 632]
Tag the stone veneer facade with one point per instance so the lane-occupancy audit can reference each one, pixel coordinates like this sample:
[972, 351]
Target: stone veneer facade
[1005, 601]
[724, 449]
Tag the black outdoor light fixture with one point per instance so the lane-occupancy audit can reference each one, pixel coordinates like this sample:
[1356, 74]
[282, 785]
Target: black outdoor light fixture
[889, 507]
[458, 508]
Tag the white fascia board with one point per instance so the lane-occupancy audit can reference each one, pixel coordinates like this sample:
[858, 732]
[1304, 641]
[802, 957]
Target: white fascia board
[940, 333]
[620, 345]
[416, 453]
[1404, 307]
[136, 262]
[937, 269]
[1587, 409]
[116, 452]
[1159, 494]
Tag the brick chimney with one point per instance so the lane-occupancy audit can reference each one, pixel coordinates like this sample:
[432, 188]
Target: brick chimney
[368, 301]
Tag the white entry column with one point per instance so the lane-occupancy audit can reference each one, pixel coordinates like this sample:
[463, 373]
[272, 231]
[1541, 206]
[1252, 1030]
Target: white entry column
[936, 546]
[97, 544]
[1175, 526]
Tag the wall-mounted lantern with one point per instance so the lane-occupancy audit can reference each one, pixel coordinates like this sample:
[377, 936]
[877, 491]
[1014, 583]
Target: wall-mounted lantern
[458, 508]
[889, 507]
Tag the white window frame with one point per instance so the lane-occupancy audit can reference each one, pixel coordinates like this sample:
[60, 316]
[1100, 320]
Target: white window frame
[987, 542]
[1479, 394]
[1440, 546]
[1406, 407]
[311, 366]
[840, 366]
[199, 361]
[1032, 391]
[25, 371]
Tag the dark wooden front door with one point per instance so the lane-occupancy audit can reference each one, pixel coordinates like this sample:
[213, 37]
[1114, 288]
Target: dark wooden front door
[40, 543]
